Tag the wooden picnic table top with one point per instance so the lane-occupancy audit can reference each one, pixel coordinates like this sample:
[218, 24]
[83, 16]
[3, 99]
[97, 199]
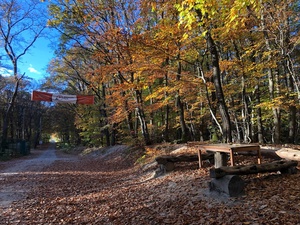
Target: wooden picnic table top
[230, 147]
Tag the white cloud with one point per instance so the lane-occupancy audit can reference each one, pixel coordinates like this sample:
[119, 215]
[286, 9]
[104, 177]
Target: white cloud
[32, 70]
[5, 72]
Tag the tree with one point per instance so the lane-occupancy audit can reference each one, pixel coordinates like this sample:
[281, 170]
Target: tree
[21, 25]
[109, 46]
[205, 14]
[160, 74]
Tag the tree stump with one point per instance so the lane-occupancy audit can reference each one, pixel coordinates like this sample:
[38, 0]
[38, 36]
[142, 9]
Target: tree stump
[231, 185]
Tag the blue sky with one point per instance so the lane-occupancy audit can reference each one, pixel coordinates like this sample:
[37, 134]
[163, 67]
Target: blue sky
[34, 63]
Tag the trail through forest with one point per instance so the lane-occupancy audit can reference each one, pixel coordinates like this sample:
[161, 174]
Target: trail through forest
[108, 187]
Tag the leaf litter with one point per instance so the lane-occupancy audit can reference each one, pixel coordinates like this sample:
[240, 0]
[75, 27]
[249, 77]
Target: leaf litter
[109, 188]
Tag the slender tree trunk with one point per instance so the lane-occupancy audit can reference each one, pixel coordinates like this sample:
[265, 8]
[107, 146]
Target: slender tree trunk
[129, 119]
[113, 134]
[202, 122]
[235, 122]
[183, 127]
[245, 114]
[246, 117]
[180, 107]
[271, 79]
[275, 110]
[153, 131]
[211, 110]
[259, 115]
[292, 107]
[288, 69]
[167, 112]
[142, 118]
[238, 135]
[104, 116]
[128, 111]
[226, 125]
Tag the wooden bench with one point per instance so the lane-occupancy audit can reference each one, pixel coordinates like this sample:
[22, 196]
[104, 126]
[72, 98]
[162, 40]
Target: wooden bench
[168, 161]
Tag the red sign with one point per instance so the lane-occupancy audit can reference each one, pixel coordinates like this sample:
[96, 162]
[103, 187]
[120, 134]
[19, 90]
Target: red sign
[49, 97]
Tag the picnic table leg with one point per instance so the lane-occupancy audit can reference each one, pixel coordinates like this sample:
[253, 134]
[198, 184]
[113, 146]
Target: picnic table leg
[199, 158]
[258, 156]
[231, 157]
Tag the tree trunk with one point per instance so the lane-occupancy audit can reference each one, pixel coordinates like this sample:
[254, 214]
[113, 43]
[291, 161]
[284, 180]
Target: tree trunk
[246, 118]
[180, 106]
[272, 83]
[277, 124]
[292, 107]
[144, 127]
[104, 116]
[153, 131]
[167, 107]
[183, 127]
[129, 119]
[275, 110]
[142, 119]
[246, 115]
[128, 111]
[219, 90]
[166, 118]
[113, 134]
[258, 115]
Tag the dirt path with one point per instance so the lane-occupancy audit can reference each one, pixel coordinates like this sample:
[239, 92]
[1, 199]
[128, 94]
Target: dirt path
[13, 182]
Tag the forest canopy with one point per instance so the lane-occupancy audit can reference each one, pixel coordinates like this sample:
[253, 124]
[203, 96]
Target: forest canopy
[163, 71]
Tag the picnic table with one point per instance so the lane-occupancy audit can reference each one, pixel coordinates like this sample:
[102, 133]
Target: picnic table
[219, 149]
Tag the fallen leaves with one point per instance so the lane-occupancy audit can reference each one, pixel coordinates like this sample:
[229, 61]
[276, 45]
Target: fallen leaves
[111, 191]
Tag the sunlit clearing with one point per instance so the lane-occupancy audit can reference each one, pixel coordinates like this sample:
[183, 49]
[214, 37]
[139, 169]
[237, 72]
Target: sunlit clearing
[54, 138]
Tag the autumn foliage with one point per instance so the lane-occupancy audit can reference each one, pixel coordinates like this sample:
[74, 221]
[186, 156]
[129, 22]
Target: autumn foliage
[180, 70]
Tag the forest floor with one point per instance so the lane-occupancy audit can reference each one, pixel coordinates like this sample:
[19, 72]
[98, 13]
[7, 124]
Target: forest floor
[116, 186]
